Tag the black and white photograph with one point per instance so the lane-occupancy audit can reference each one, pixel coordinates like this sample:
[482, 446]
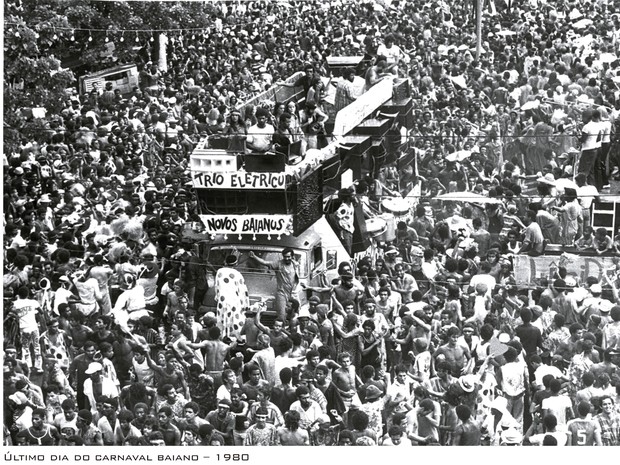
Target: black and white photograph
[245, 223]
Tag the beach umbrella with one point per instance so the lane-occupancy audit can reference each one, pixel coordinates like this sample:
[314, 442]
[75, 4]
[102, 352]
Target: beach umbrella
[469, 197]
[459, 155]
[562, 184]
[506, 33]
[608, 57]
[459, 81]
[582, 23]
[530, 105]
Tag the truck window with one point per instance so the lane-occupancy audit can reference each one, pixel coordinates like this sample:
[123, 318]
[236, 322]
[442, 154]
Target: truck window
[332, 260]
[317, 257]
[217, 258]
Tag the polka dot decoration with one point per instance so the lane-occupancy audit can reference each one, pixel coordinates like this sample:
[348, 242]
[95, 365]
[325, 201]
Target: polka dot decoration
[232, 296]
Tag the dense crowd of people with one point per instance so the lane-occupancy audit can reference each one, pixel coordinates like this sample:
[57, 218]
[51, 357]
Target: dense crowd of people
[431, 340]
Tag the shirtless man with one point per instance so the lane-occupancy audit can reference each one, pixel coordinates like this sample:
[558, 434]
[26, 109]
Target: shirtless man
[457, 355]
[215, 351]
[251, 386]
[344, 378]
[467, 432]
[291, 434]
[276, 334]
[403, 283]
[375, 74]
[344, 292]
[250, 330]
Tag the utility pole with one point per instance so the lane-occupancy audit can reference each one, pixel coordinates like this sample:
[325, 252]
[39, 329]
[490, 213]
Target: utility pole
[478, 28]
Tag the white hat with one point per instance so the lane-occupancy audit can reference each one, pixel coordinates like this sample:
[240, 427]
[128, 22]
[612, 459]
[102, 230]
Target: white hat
[94, 367]
[547, 179]
[467, 383]
[605, 306]
[304, 312]
[596, 288]
[570, 281]
[579, 294]
[511, 436]
[19, 398]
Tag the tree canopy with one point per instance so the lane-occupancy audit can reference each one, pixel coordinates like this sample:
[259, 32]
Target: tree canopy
[40, 36]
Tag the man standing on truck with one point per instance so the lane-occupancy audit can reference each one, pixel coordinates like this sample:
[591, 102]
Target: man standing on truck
[287, 278]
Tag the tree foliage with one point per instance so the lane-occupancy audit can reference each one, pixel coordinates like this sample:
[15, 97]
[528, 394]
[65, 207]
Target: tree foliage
[39, 36]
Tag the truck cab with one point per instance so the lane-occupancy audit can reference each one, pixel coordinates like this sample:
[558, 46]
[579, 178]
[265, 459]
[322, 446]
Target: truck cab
[318, 251]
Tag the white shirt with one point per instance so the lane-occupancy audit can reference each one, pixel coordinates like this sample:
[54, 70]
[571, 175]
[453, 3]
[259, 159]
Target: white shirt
[26, 310]
[605, 132]
[592, 131]
[307, 417]
[586, 195]
[487, 279]
[391, 54]
[260, 138]
[557, 405]
[538, 439]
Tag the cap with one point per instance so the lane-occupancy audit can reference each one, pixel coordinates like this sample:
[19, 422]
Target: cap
[373, 392]
[94, 367]
[596, 288]
[224, 403]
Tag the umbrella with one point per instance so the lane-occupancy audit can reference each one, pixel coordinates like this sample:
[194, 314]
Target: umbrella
[582, 23]
[574, 14]
[583, 98]
[467, 197]
[459, 81]
[583, 41]
[458, 156]
[558, 116]
[562, 184]
[608, 57]
[496, 347]
[530, 105]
